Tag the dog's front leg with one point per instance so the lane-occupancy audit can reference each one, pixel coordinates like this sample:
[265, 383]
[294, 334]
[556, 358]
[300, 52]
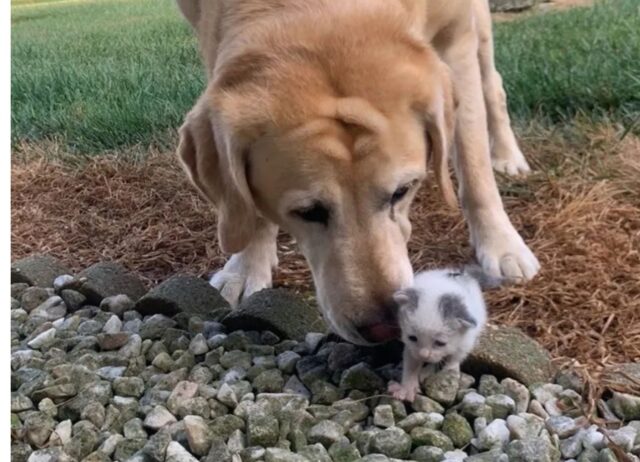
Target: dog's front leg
[250, 270]
[499, 248]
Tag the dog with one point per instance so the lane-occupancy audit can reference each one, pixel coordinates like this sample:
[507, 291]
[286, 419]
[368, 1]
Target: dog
[322, 118]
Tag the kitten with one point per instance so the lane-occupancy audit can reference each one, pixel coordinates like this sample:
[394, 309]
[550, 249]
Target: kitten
[440, 318]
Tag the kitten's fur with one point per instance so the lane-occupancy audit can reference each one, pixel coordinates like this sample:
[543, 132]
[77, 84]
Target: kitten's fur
[440, 317]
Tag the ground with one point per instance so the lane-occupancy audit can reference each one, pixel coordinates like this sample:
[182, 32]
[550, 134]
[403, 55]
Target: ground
[94, 178]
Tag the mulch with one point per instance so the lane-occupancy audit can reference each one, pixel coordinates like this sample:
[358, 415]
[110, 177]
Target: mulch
[580, 213]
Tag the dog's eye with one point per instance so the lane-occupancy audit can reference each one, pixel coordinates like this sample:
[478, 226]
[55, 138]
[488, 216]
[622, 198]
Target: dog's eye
[439, 344]
[413, 338]
[317, 213]
[399, 194]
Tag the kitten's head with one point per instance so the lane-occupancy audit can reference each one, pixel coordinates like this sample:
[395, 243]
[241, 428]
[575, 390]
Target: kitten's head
[433, 325]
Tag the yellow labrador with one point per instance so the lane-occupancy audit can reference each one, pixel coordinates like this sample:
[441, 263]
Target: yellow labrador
[322, 116]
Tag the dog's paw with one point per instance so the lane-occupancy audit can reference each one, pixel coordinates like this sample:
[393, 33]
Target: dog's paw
[241, 277]
[511, 162]
[401, 392]
[504, 255]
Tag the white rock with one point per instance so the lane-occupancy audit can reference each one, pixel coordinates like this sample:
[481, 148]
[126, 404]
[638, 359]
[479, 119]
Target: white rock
[176, 453]
[593, 438]
[63, 430]
[197, 434]
[63, 282]
[51, 309]
[113, 325]
[108, 447]
[624, 437]
[312, 340]
[525, 425]
[535, 407]
[518, 392]
[473, 398]
[43, 339]
[236, 442]
[227, 396]
[544, 393]
[495, 435]
[552, 408]
[562, 426]
[198, 345]
[455, 456]
[158, 418]
[133, 347]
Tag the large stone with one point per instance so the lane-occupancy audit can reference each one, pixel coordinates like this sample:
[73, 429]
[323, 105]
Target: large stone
[510, 5]
[184, 294]
[276, 310]
[37, 270]
[107, 279]
[508, 352]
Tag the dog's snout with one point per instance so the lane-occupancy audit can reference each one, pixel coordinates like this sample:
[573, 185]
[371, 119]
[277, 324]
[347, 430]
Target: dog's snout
[385, 327]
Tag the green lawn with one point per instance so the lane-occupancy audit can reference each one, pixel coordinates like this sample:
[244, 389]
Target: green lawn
[106, 74]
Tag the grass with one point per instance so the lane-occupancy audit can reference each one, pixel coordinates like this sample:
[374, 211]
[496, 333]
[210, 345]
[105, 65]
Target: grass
[104, 75]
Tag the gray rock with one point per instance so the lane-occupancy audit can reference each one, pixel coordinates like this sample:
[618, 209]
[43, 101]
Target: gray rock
[197, 435]
[383, 416]
[495, 455]
[83, 442]
[422, 436]
[294, 385]
[47, 455]
[262, 430]
[73, 299]
[344, 451]
[607, 455]
[156, 446]
[276, 310]
[392, 442]
[361, 377]
[427, 454]
[20, 402]
[425, 404]
[624, 437]
[421, 419]
[107, 279]
[95, 413]
[570, 379]
[507, 351]
[457, 429]
[511, 5]
[155, 327]
[489, 385]
[562, 426]
[227, 396]
[17, 289]
[626, 406]
[37, 270]
[533, 450]
[287, 360]
[325, 432]
[132, 429]
[127, 448]
[117, 304]
[525, 425]
[51, 309]
[32, 297]
[518, 392]
[282, 455]
[501, 405]
[184, 294]
[571, 447]
[315, 452]
[442, 386]
[218, 452]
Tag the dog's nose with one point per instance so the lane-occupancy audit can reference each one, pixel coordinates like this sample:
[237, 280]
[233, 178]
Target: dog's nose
[379, 332]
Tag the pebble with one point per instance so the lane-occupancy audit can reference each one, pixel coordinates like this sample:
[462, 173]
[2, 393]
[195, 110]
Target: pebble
[117, 304]
[158, 418]
[325, 432]
[496, 434]
[197, 433]
[562, 426]
[177, 453]
[198, 345]
[43, 340]
[383, 416]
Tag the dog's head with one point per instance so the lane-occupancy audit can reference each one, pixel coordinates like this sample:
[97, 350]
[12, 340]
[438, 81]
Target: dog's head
[332, 149]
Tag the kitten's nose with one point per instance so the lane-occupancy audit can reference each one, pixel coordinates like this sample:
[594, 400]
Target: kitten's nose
[425, 354]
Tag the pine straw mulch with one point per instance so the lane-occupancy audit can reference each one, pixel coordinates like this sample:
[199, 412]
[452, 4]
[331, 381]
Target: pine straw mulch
[579, 213]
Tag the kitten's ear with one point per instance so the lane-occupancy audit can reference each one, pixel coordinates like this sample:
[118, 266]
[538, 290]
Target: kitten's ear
[406, 298]
[485, 281]
[455, 312]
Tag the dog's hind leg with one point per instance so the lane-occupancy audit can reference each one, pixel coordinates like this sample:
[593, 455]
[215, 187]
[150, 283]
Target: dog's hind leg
[506, 156]
[250, 270]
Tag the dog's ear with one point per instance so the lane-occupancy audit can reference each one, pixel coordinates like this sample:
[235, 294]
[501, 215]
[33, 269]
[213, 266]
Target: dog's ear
[215, 162]
[439, 114]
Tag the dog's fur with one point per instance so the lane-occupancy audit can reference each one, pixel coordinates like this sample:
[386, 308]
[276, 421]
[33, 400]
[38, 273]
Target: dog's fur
[339, 105]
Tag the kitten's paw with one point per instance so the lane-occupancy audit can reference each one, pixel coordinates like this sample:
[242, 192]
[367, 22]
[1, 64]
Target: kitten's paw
[401, 392]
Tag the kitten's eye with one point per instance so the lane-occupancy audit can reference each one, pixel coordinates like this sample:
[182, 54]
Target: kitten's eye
[317, 213]
[399, 194]
[413, 338]
[439, 344]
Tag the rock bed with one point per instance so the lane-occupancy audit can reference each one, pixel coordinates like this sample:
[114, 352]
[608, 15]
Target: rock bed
[94, 379]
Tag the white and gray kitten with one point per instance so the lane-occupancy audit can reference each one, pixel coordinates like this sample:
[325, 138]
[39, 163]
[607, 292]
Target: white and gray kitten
[440, 318]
